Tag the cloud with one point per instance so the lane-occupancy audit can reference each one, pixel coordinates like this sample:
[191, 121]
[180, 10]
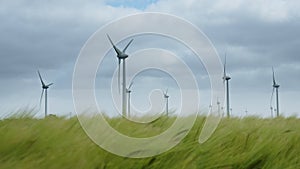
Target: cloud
[48, 35]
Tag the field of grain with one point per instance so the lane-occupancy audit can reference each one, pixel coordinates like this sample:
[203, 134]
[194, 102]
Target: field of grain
[61, 143]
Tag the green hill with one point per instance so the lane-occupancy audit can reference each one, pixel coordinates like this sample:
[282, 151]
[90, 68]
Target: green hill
[59, 143]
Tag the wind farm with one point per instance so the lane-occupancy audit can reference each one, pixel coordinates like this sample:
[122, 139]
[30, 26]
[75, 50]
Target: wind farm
[48, 135]
[150, 92]
[125, 95]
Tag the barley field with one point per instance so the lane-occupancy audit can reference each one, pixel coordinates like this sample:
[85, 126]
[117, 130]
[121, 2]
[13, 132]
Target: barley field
[238, 143]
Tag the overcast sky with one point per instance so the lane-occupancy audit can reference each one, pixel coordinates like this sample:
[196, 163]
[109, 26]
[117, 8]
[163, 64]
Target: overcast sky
[48, 35]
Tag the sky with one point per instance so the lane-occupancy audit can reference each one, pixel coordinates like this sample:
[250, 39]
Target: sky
[48, 35]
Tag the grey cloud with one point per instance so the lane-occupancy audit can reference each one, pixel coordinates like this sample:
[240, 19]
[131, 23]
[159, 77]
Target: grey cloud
[49, 35]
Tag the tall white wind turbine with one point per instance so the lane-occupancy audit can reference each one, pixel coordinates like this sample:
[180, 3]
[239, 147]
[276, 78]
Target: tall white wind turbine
[121, 55]
[275, 88]
[166, 96]
[226, 79]
[128, 91]
[44, 88]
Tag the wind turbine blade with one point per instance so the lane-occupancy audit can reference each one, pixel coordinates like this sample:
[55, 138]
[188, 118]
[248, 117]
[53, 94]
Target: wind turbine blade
[110, 40]
[225, 60]
[41, 98]
[167, 91]
[119, 75]
[116, 49]
[127, 45]
[41, 78]
[130, 85]
[49, 84]
[274, 81]
[224, 71]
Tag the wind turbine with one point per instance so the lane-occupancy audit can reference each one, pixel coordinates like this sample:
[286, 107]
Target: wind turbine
[275, 87]
[44, 88]
[166, 96]
[226, 78]
[219, 108]
[271, 107]
[128, 91]
[121, 55]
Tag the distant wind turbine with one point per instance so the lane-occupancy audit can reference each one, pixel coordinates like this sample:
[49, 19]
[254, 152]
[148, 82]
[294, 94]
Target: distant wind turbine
[275, 88]
[121, 55]
[128, 91]
[226, 78]
[219, 108]
[44, 88]
[271, 107]
[166, 96]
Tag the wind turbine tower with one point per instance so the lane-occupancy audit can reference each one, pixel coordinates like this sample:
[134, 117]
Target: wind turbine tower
[226, 79]
[275, 88]
[166, 96]
[44, 88]
[121, 55]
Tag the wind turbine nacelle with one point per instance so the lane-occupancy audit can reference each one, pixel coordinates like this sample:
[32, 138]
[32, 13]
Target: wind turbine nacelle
[276, 86]
[45, 87]
[123, 56]
[226, 78]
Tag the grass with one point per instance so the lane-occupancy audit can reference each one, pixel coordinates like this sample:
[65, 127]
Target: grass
[247, 143]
